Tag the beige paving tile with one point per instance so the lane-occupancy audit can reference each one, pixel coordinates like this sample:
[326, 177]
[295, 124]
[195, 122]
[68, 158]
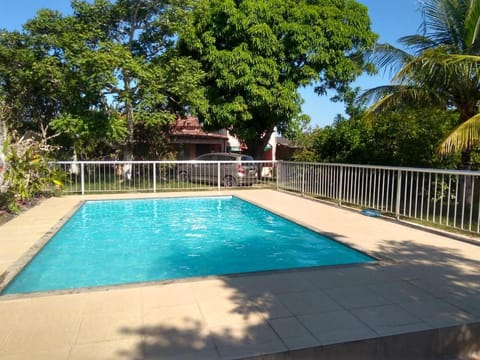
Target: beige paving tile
[254, 286]
[293, 333]
[285, 282]
[243, 340]
[178, 329]
[400, 291]
[356, 296]
[468, 303]
[108, 350]
[154, 351]
[213, 289]
[175, 318]
[297, 343]
[389, 320]
[167, 295]
[96, 327]
[336, 327]
[41, 332]
[227, 312]
[438, 313]
[114, 300]
[270, 306]
[24, 353]
[445, 287]
[324, 278]
[308, 302]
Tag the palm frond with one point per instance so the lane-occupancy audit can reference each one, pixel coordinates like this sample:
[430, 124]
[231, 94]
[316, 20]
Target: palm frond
[388, 57]
[391, 97]
[375, 94]
[417, 43]
[472, 26]
[438, 68]
[437, 21]
[463, 137]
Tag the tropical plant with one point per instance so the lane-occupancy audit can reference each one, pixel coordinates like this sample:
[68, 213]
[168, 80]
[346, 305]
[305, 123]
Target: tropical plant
[28, 173]
[441, 70]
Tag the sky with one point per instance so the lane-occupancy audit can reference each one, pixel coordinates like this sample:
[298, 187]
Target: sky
[391, 19]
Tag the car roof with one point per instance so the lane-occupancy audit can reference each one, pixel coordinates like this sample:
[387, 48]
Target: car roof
[224, 153]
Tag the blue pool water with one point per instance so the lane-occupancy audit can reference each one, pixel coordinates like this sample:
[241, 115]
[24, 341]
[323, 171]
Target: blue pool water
[127, 241]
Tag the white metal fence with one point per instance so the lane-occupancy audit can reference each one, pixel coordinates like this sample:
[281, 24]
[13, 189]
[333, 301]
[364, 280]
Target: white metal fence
[442, 197]
[87, 177]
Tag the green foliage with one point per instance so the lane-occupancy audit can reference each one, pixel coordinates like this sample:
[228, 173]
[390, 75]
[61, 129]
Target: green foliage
[306, 151]
[256, 53]
[405, 137]
[28, 175]
[428, 75]
[84, 81]
[87, 132]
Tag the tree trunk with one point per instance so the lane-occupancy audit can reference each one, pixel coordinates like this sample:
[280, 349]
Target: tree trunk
[256, 147]
[3, 160]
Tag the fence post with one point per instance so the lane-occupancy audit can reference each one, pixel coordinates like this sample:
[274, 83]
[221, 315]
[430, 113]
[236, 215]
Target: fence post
[340, 190]
[82, 177]
[218, 176]
[154, 177]
[303, 179]
[399, 194]
[277, 172]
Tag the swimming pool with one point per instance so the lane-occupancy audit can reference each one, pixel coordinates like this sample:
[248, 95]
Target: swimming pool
[127, 241]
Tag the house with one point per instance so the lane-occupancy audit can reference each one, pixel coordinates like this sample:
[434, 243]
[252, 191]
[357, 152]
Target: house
[190, 141]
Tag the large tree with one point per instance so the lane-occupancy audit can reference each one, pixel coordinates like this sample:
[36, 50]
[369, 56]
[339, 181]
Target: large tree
[257, 53]
[428, 73]
[131, 53]
[104, 73]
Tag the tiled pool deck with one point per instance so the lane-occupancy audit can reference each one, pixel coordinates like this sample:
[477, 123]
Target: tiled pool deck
[421, 301]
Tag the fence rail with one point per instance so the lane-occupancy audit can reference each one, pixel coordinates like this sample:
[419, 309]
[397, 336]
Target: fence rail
[445, 198]
[86, 177]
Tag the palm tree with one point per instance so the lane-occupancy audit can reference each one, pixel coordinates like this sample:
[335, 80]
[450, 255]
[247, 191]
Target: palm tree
[442, 69]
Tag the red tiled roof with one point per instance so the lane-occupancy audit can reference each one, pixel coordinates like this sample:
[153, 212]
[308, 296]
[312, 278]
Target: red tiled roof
[190, 127]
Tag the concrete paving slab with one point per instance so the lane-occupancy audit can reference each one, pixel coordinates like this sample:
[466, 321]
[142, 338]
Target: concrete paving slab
[437, 313]
[308, 302]
[270, 306]
[468, 303]
[336, 327]
[354, 296]
[160, 296]
[293, 333]
[400, 291]
[419, 276]
[107, 350]
[234, 342]
[390, 319]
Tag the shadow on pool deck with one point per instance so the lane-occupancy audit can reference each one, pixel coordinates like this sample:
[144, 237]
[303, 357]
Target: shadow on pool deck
[424, 306]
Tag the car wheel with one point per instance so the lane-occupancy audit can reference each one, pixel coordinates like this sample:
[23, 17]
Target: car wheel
[182, 176]
[229, 181]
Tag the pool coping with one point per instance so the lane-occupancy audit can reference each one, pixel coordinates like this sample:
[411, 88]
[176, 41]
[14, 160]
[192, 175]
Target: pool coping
[16, 312]
[9, 275]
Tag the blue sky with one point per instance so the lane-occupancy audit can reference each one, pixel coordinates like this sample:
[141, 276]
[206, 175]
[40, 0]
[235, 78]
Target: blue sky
[391, 19]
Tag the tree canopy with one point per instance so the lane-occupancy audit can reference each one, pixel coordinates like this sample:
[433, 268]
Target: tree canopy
[101, 75]
[438, 70]
[257, 53]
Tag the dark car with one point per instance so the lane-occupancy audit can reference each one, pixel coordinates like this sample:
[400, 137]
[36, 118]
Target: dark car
[229, 168]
